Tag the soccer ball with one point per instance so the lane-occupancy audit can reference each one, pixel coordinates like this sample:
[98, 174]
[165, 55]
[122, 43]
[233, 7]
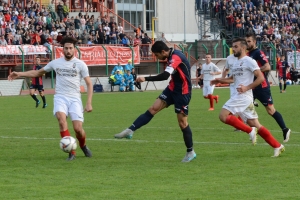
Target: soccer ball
[67, 144]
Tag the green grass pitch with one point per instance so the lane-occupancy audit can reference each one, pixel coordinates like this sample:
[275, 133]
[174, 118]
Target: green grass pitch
[148, 166]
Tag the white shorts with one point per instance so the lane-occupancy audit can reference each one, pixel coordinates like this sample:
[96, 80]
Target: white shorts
[232, 89]
[241, 105]
[207, 88]
[70, 106]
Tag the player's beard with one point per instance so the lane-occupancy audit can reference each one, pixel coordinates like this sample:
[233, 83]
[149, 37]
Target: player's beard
[237, 54]
[68, 56]
[249, 48]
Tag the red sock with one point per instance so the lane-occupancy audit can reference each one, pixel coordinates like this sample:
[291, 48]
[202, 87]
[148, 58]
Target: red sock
[65, 133]
[211, 100]
[268, 137]
[233, 121]
[240, 119]
[81, 140]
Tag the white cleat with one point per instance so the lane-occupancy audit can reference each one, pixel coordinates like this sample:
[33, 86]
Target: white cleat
[127, 133]
[252, 135]
[286, 135]
[189, 156]
[278, 151]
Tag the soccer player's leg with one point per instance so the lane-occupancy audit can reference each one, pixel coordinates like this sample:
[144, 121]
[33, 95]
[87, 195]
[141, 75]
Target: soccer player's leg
[267, 136]
[266, 99]
[284, 84]
[76, 115]
[41, 91]
[163, 101]
[280, 83]
[181, 104]
[32, 88]
[237, 106]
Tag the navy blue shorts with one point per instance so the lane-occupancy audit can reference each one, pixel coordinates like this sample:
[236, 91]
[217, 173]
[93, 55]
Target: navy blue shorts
[264, 96]
[180, 101]
[39, 88]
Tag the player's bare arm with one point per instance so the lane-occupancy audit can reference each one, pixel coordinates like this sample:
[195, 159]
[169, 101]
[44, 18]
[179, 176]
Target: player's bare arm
[30, 74]
[89, 85]
[259, 79]
[266, 67]
[140, 79]
[222, 80]
[225, 72]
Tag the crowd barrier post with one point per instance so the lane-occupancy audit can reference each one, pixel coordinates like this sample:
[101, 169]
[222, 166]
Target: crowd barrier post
[106, 60]
[189, 52]
[196, 49]
[157, 65]
[79, 52]
[274, 55]
[295, 55]
[23, 63]
[215, 50]
[181, 47]
[206, 49]
[132, 55]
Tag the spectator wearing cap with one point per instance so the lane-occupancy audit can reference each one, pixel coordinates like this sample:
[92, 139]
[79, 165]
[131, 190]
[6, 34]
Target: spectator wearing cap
[119, 80]
[117, 67]
[128, 66]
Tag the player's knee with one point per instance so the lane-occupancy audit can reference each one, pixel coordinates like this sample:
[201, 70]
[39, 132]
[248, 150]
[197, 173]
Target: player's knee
[78, 130]
[271, 110]
[222, 118]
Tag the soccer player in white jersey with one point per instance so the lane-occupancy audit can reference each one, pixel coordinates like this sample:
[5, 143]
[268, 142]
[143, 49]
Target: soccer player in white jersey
[226, 72]
[208, 72]
[243, 72]
[67, 99]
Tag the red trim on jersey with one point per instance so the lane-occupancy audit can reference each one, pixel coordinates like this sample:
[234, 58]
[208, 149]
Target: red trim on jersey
[40, 79]
[175, 62]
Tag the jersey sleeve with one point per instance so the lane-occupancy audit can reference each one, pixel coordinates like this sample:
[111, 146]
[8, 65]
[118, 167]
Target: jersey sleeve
[226, 64]
[216, 68]
[84, 70]
[261, 58]
[252, 65]
[49, 67]
[174, 63]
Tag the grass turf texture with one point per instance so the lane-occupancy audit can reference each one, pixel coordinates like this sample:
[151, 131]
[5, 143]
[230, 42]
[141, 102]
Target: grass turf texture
[148, 166]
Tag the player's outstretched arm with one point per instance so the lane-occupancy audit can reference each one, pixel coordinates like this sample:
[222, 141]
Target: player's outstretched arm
[89, 85]
[259, 79]
[30, 74]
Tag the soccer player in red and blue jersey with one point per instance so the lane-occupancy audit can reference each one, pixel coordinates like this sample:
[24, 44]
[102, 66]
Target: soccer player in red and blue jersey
[281, 69]
[262, 92]
[178, 92]
[37, 84]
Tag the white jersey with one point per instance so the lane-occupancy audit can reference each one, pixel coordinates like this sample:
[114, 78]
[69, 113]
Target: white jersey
[68, 75]
[242, 71]
[206, 69]
[228, 65]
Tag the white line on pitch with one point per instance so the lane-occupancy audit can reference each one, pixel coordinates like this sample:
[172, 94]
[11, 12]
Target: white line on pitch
[145, 141]
[110, 127]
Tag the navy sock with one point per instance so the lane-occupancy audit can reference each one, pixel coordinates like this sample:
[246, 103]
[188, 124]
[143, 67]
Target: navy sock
[280, 86]
[34, 97]
[277, 116]
[284, 86]
[44, 99]
[142, 120]
[188, 138]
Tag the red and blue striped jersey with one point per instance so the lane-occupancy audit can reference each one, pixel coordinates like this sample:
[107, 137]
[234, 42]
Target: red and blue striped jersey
[181, 77]
[37, 80]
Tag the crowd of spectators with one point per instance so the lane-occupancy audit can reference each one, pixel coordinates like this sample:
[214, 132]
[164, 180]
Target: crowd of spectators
[276, 21]
[36, 24]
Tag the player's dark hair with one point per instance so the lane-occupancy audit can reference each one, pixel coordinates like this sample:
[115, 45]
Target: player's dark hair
[208, 54]
[68, 39]
[241, 40]
[159, 46]
[252, 35]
